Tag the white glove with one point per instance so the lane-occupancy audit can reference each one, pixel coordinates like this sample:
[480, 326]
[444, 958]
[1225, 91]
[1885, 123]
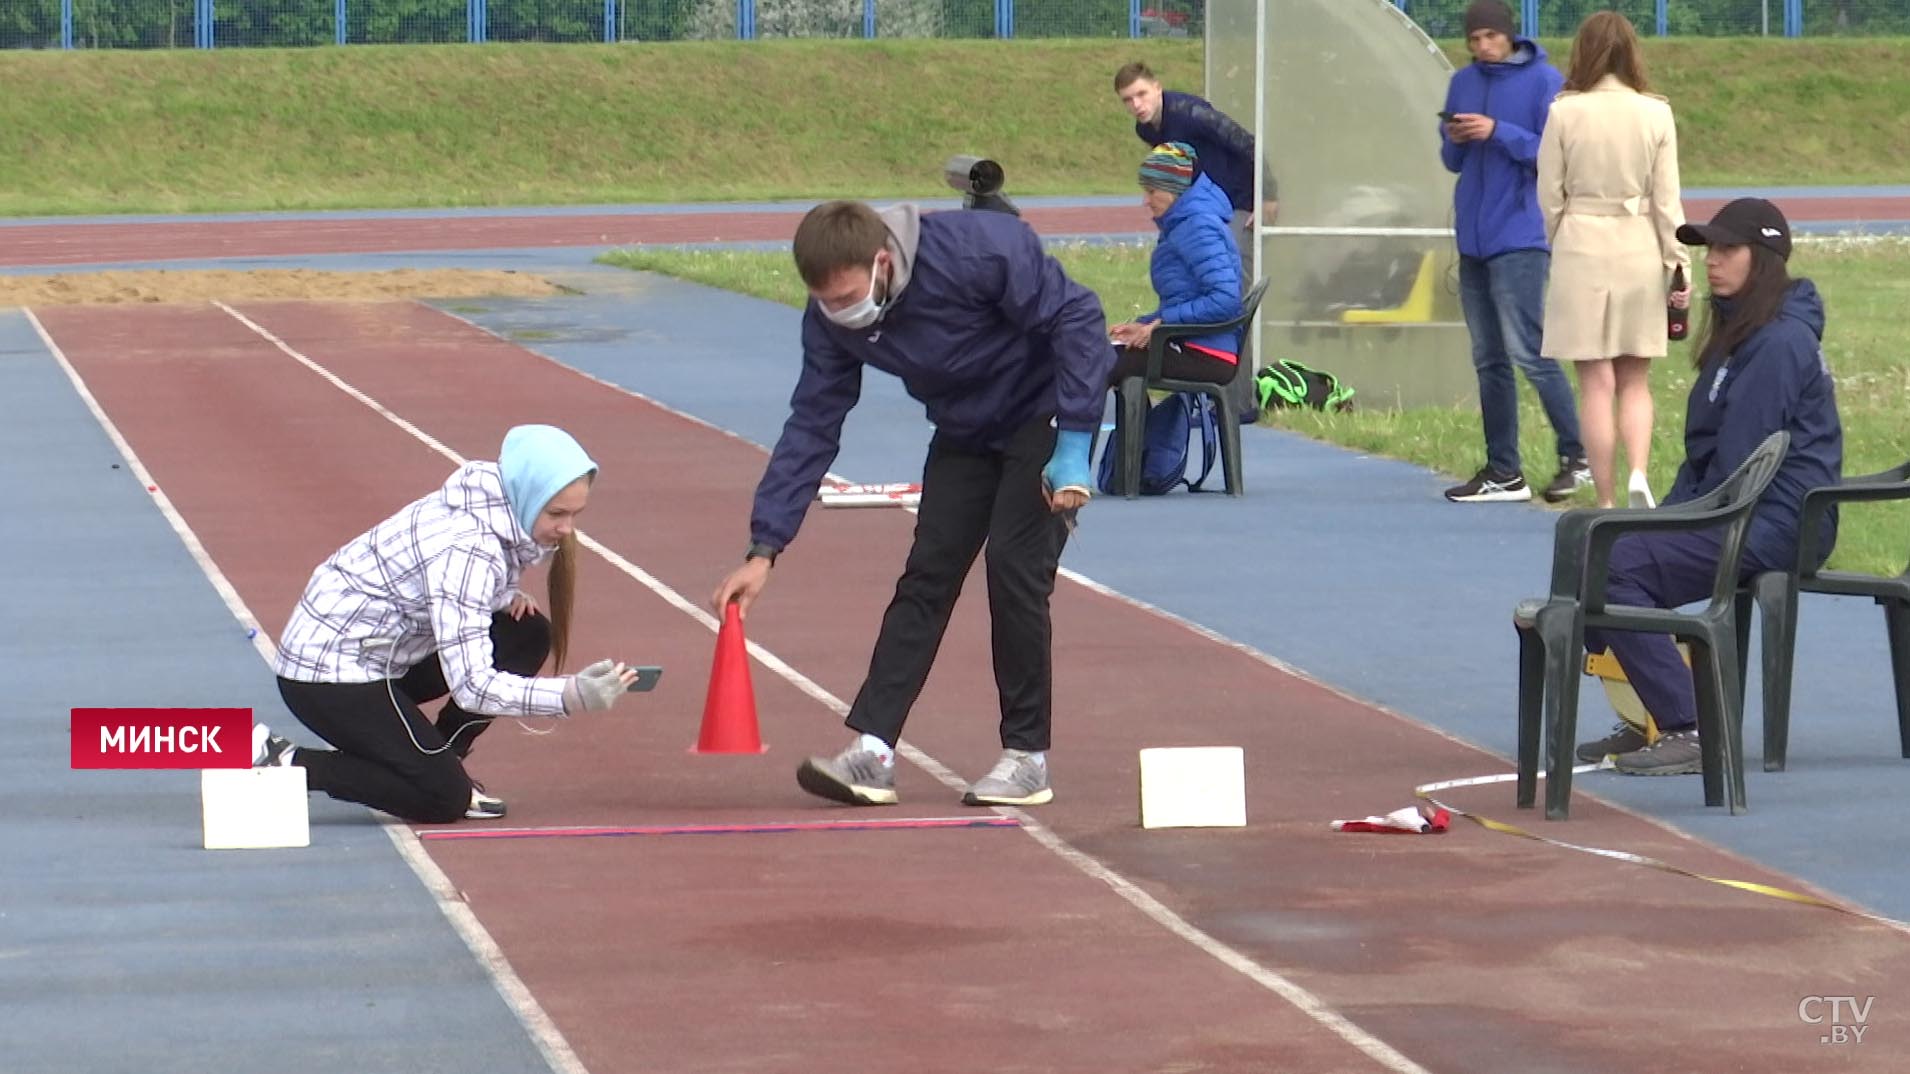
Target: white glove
[595, 688]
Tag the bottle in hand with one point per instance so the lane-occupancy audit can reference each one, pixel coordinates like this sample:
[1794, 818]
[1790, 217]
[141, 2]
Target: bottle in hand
[1677, 321]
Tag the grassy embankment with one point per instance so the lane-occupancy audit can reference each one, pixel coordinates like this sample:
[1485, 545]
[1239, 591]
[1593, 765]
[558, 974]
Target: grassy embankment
[521, 124]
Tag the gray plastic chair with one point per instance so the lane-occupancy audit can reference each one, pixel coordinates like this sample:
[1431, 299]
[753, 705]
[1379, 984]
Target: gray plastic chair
[1552, 631]
[1774, 594]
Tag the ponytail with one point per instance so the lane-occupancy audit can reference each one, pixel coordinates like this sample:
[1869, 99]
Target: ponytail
[562, 587]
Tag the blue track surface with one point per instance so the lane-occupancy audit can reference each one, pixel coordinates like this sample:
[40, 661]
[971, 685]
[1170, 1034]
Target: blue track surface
[125, 946]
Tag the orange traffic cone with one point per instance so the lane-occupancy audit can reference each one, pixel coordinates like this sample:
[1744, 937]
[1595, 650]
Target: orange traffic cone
[729, 712]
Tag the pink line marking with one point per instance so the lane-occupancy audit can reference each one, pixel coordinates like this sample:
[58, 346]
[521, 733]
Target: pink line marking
[722, 829]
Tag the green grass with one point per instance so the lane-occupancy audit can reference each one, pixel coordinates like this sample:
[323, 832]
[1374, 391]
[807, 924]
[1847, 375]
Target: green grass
[1867, 289]
[383, 126]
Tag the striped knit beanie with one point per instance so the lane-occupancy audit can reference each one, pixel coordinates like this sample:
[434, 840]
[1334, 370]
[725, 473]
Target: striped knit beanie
[1169, 167]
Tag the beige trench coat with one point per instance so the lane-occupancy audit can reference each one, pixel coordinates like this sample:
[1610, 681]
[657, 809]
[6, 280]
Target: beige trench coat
[1608, 186]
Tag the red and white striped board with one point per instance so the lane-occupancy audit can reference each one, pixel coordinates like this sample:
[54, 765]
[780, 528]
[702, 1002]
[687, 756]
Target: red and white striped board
[895, 494]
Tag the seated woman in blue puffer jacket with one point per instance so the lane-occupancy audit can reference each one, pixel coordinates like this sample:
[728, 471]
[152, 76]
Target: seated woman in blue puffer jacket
[1195, 270]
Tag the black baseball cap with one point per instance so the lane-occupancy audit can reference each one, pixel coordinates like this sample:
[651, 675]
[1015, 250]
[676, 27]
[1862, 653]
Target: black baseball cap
[1744, 222]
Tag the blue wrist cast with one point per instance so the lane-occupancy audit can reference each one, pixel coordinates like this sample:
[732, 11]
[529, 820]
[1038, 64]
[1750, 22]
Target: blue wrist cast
[1069, 469]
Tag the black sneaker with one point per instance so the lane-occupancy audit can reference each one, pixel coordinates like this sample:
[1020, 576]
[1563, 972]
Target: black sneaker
[483, 806]
[1488, 487]
[1624, 739]
[1574, 474]
[1674, 754]
[269, 750]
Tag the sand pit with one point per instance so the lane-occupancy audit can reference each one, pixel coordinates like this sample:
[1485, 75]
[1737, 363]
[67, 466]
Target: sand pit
[116, 288]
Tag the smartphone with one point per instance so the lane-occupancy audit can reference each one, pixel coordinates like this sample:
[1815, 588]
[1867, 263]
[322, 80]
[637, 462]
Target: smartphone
[647, 676]
[1445, 117]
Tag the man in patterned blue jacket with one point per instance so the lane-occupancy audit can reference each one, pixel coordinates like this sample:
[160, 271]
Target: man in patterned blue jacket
[1496, 108]
[1010, 357]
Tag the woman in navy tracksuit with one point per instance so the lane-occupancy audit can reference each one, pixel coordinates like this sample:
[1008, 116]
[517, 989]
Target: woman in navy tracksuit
[1195, 270]
[1760, 369]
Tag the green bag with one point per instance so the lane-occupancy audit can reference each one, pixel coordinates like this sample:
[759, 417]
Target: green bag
[1287, 383]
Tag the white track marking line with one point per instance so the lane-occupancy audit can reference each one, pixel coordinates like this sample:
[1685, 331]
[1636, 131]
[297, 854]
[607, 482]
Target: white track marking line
[543, 1032]
[1306, 1002]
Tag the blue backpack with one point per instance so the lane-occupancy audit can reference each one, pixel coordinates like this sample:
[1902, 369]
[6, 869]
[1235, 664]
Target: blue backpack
[1164, 444]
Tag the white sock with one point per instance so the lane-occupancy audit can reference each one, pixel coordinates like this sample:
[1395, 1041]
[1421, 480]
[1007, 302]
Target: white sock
[878, 747]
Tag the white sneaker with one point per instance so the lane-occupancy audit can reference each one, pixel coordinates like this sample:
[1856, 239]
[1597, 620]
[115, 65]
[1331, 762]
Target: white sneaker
[1640, 491]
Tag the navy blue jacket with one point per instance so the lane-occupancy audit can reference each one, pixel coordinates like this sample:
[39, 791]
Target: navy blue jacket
[989, 334]
[1196, 265]
[1223, 149]
[1776, 380]
[1496, 203]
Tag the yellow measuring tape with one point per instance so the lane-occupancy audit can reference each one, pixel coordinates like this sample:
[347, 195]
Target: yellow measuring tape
[1427, 791]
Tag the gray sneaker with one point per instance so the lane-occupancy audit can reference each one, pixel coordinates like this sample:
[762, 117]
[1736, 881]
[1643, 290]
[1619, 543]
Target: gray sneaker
[1624, 739]
[1017, 779]
[1675, 754]
[855, 776]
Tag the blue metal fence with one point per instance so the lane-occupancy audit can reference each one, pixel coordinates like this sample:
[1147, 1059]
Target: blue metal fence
[238, 23]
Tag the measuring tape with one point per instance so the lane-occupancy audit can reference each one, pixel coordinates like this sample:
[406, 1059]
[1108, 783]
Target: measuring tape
[1427, 791]
[895, 494]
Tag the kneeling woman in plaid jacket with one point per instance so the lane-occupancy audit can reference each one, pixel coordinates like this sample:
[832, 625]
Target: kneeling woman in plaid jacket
[426, 604]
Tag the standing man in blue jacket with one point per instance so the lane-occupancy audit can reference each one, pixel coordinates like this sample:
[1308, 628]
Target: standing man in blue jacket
[1489, 134]
[1225, 152]
[1011, 358]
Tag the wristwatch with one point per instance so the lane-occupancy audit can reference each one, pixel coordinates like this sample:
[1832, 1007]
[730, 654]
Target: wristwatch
[759, 550]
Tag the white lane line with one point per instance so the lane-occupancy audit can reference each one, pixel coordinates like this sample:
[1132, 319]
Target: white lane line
[1308, 1003]
[543, 1032]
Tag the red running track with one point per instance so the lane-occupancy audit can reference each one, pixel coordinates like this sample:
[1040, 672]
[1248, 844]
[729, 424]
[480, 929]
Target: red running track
[106, 242]
[956, 950]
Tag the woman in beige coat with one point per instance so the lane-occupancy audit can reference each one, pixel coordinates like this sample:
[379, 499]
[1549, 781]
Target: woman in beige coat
[1608, 187]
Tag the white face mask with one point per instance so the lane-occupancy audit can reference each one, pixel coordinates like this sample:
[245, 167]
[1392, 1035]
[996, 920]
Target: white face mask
[865, 312]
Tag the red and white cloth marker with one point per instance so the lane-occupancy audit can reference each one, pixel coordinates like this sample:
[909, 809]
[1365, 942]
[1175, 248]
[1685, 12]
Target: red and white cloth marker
[895, 494]
[1407, 821]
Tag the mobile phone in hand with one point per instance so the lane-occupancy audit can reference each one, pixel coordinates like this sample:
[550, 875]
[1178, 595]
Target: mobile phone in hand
[647, 676]
[1445, 117]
